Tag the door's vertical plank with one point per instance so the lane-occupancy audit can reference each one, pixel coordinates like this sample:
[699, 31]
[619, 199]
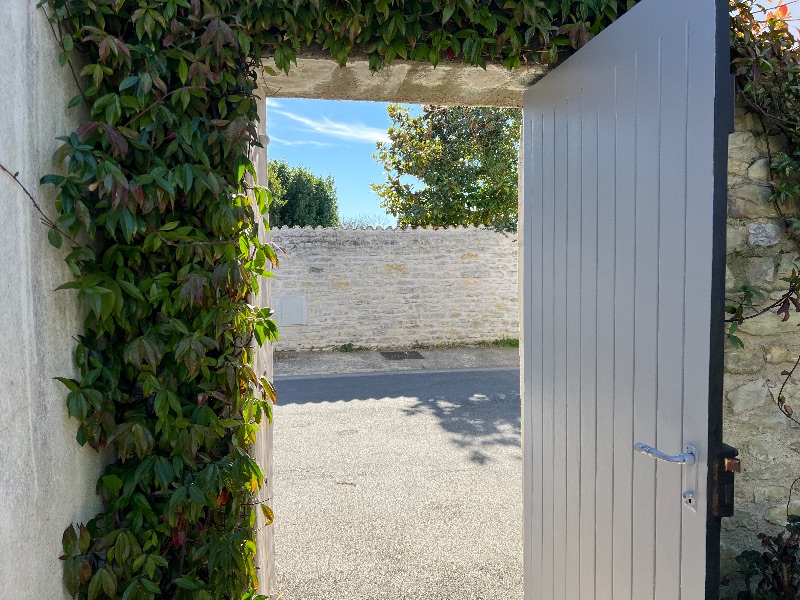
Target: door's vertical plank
[605, 336]
[561, 151]
[645, 327]
[573, 347]
[531, 287]
[624, 324]
[588, 321]
[670, 312]
[549, 433]
[705, 233]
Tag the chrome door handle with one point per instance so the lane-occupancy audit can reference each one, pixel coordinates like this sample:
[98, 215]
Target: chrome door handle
[691, 473]
[685, 458]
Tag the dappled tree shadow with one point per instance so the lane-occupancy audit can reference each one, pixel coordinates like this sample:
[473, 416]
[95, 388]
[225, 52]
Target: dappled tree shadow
[478, 409]
[475, 422]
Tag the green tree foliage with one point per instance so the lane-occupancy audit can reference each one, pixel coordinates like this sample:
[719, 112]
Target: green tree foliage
[464, 160]
[301, 198]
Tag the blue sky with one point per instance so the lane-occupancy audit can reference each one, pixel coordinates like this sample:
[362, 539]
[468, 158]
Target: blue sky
[336, 138]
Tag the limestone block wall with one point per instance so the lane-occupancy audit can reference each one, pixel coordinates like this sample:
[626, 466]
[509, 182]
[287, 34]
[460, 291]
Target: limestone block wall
[47, 481]
[396, 288]
[759, 254]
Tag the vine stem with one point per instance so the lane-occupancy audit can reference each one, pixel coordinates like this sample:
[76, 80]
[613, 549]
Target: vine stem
[791, 488]
[161, 101]
[792, 290]
[782, 404]
[60, 42]
[45, 219]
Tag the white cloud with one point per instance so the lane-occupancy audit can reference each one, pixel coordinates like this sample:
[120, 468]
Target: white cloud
[282, 142]
[352, 132]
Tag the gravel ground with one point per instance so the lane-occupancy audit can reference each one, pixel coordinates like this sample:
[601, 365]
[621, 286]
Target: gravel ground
[399, 486]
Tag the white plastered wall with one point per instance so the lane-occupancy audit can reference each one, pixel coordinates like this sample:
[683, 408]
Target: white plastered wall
[47, 480]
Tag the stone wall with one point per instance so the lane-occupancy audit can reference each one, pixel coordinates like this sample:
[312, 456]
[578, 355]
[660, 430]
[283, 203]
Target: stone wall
[397, 288]
[47, 481]
[759, 254]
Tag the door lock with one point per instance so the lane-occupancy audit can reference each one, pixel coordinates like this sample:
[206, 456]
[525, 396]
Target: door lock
[690, 457]
[721, 481]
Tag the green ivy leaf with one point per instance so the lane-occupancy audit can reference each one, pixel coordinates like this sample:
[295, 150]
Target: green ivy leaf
[54, 237]
[69, 541]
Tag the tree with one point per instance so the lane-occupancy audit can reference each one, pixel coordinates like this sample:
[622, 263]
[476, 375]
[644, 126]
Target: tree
[301, 198]
[465, 159]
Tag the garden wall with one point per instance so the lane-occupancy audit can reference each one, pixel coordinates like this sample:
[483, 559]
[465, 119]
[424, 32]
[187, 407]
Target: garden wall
[394, 288]
[759, 254]
[46, 480]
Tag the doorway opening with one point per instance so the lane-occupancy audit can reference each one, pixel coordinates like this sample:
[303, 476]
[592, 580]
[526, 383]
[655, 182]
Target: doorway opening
[403, 479]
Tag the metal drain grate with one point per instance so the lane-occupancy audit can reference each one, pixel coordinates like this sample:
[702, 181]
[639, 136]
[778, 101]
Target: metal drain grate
[401, 355]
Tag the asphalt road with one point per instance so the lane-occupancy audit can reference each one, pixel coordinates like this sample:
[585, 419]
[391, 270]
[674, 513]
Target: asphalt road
[399, 486]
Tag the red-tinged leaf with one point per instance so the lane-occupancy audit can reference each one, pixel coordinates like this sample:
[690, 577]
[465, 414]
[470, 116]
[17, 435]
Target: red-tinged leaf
[85, 130]
[138, 194]
[118, 195]
[119, 145]
[202, 398]
[84, 571]
[103, 50]
[223, 498]
[191, 293]
[123, 48]
[179, 538]
[220, 396]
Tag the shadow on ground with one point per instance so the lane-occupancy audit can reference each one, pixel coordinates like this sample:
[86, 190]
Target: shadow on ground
[478, 409]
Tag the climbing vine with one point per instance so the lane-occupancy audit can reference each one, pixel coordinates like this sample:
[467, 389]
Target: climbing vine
[158, 202]
[766, 65]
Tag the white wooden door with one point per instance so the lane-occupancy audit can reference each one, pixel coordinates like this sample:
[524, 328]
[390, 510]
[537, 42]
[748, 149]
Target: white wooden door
[623, 229]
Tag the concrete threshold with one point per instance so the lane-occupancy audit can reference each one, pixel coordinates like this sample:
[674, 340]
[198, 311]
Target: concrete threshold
[333, 363]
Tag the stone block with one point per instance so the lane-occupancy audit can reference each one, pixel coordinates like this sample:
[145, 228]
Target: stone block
[744, 361]
[748, 396]
[730, 280]
[765, 234]
[777, 514]
[769, 324]
[781, 354]
[788, 263]
[751, 201]
[759, 170]
[771, 422]
[760, 271]
[736, 167]
[771, 145]
[770, 494]
[742, 147]
[736, 238]
[756, 450]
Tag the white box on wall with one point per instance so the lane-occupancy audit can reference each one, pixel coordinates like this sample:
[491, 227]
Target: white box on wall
[291, 310]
